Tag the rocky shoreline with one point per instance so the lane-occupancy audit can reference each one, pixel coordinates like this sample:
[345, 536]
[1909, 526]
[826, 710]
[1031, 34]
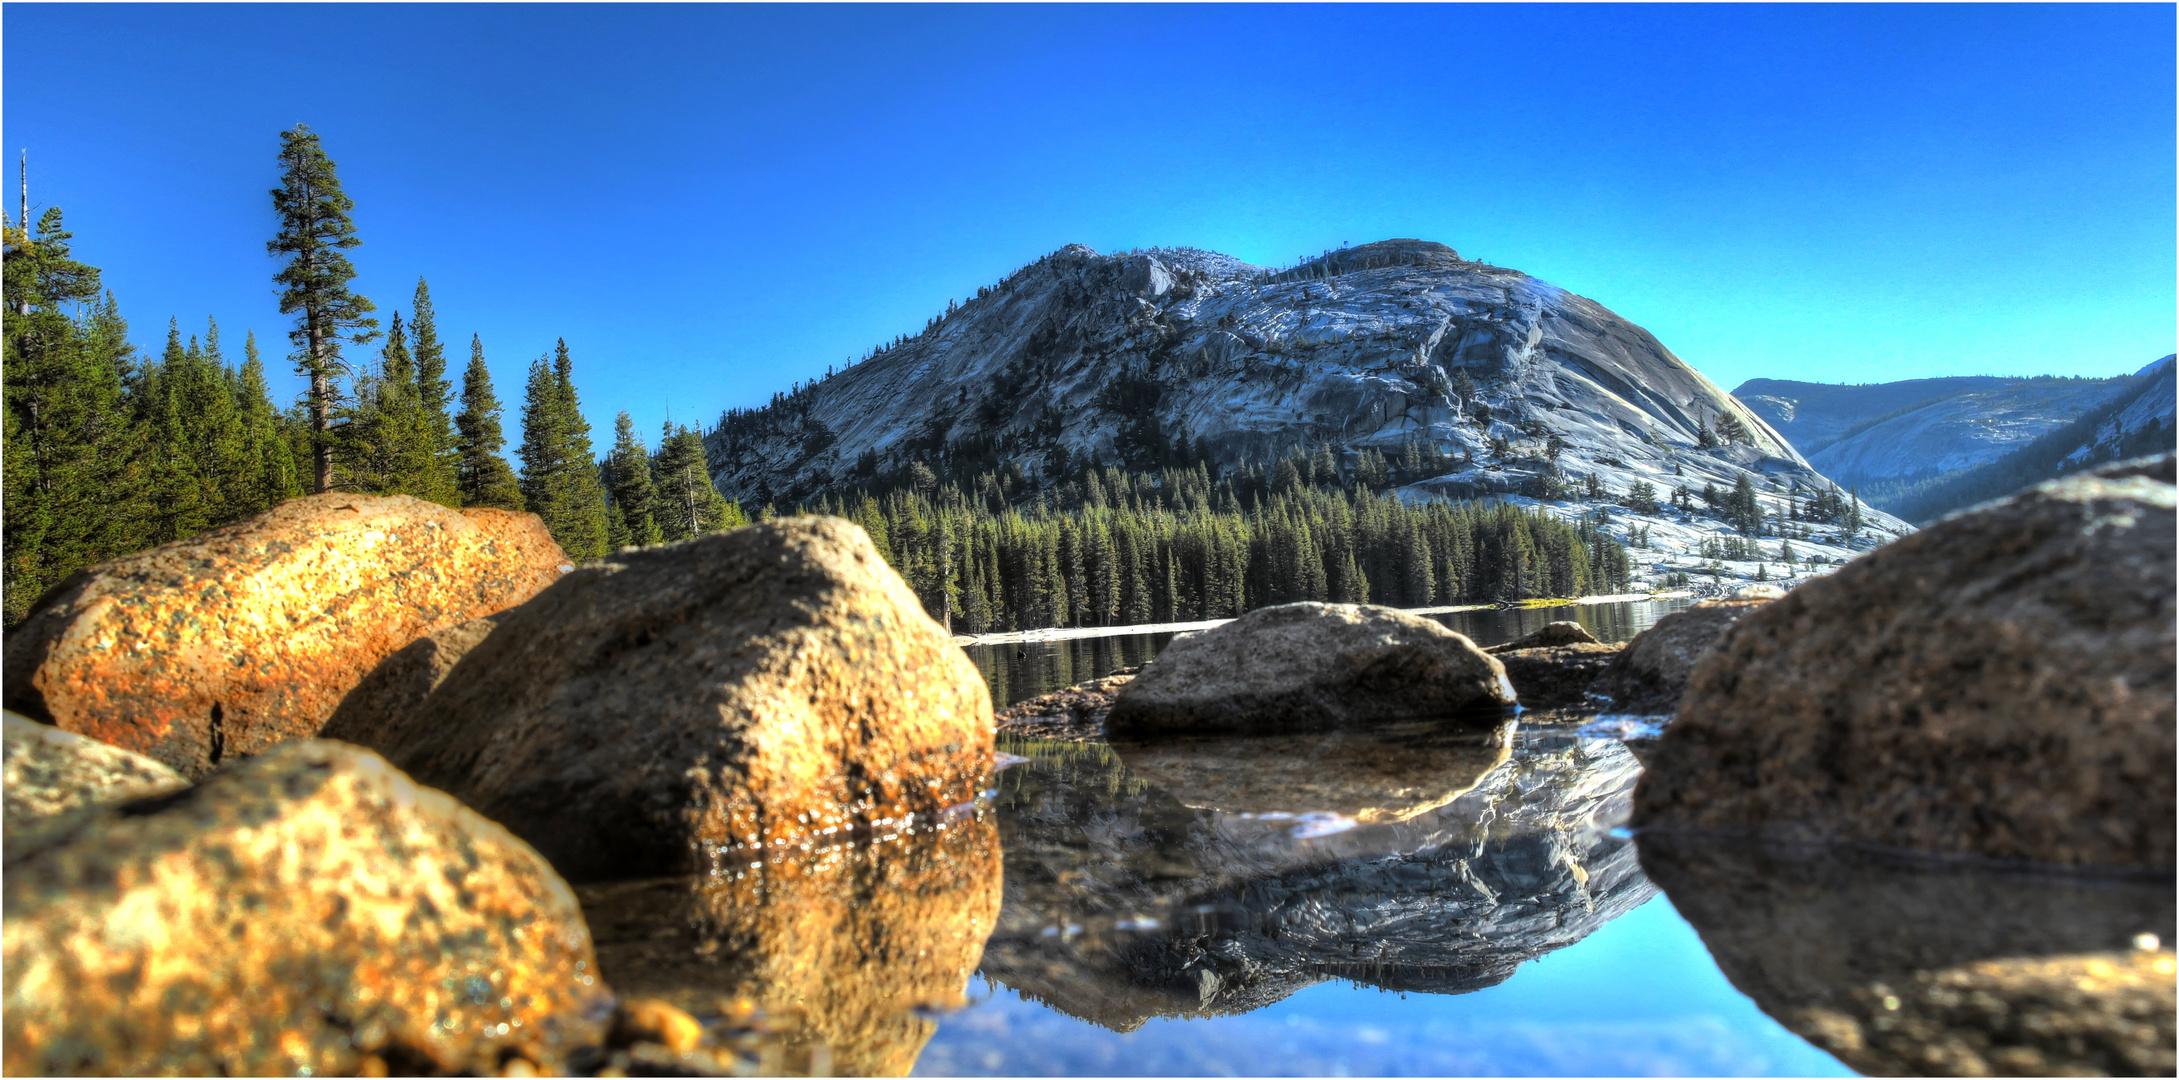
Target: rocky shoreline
[366, 786]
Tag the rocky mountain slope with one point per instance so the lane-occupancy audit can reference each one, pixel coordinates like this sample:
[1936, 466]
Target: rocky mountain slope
[1901, 432]
[1508, 385]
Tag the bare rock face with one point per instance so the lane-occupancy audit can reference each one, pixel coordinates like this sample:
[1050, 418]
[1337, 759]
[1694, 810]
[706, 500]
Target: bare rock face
[49, 771]
[1550, 635]
[1075, 714]
[681, 706]
[310, 909]
[229, 642]
[1309, 664]
[1907, 968]
[2000, 684]
[1650, 673]
[797, 936]
[1557, 677]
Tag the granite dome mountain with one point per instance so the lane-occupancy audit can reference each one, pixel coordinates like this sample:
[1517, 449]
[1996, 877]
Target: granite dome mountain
[1521, 388]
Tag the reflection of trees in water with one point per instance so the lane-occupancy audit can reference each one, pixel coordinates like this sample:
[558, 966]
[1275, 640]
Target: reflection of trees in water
[843, 951]
[1905, 967]
[1123, 902]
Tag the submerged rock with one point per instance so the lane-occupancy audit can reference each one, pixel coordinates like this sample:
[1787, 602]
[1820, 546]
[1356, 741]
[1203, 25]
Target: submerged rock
[842, 949]
[1076, 714]
[229, 642]
[311, 910]
[1550, 635]
[1649, 675]
[674, 706]
[1556, 677]
[49, 771]
[1123, 903]
[2000, 684]
[1389, 771]
[1915, 969]
[1309, 664]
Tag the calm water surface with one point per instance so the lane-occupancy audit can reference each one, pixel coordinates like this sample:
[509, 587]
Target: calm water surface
[1429, 897]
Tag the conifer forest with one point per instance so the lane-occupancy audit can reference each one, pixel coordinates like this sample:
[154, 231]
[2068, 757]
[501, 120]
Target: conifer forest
[109, 451]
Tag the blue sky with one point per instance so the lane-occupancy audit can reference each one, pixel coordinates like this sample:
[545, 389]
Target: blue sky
[712, 202]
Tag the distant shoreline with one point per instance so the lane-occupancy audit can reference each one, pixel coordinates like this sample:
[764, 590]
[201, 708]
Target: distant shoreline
[1069, 633]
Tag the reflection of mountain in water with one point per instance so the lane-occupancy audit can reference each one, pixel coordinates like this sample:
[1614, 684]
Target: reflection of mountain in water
[1913, 968]
[1123, 902]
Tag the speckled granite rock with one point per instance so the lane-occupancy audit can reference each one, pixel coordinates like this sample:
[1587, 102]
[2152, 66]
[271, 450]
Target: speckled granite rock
[1649, 674]
[1935, 969]
[676, 705]
[1999, 684]
[841, 946]
[1550, 635]
[1556, 677]
[310, 909]
[1305, 665]
[49, 771]
[231, 641]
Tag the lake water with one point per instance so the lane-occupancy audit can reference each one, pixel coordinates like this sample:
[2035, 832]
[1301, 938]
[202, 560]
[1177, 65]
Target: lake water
[1430, 897]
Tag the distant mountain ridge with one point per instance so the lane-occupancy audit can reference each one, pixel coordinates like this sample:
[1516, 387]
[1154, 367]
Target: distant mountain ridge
[1113, 359]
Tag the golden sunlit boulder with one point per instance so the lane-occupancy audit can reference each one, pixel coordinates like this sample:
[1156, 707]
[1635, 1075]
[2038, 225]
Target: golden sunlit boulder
[49, 771]
[310, 911]
[231, 641]
[840, 948]
[744, 691]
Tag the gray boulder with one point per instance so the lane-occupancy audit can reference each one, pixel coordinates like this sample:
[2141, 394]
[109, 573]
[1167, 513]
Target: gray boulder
[1999, 684]
[49, 771]
[1306, 665]
[1550, 635]
[1648, 675]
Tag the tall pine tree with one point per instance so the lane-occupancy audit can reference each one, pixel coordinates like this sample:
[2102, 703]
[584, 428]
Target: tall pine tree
[559, 475]
[315, 230]
[434, 400]
[629, 476]
[269, 468]
[483, 477]
[688, 504]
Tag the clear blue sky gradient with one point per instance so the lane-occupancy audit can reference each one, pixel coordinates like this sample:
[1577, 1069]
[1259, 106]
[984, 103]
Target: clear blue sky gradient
[710, 203]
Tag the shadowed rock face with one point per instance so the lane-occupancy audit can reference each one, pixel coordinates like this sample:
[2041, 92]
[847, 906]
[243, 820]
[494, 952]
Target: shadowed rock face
[1381, 773]
[1903, 968]
[1648, 676]
[1123, 903]
[1309, 665]
[236, 639]
[744, 691]
[843, 950]
[305, 910]
[1999, 684]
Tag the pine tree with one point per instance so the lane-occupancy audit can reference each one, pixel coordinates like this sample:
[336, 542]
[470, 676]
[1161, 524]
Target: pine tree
[70, 487]
[559, 475]
[436, 478]
[481, 475]
[315, 230]
[629, 481]
[1730, 429]
[687, 504]
[268, 467]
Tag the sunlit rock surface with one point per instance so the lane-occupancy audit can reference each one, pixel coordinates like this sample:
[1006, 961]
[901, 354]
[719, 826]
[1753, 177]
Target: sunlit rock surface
[1123, 903]
[49, 770]
[844, 949]
[231, 641]
[1904, 968]
[747, 691]
[309, 911]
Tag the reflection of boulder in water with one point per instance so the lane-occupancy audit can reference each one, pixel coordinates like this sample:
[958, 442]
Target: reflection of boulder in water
[1921, 969]
[1122, 903]
[1379, 773]
[842, 949]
